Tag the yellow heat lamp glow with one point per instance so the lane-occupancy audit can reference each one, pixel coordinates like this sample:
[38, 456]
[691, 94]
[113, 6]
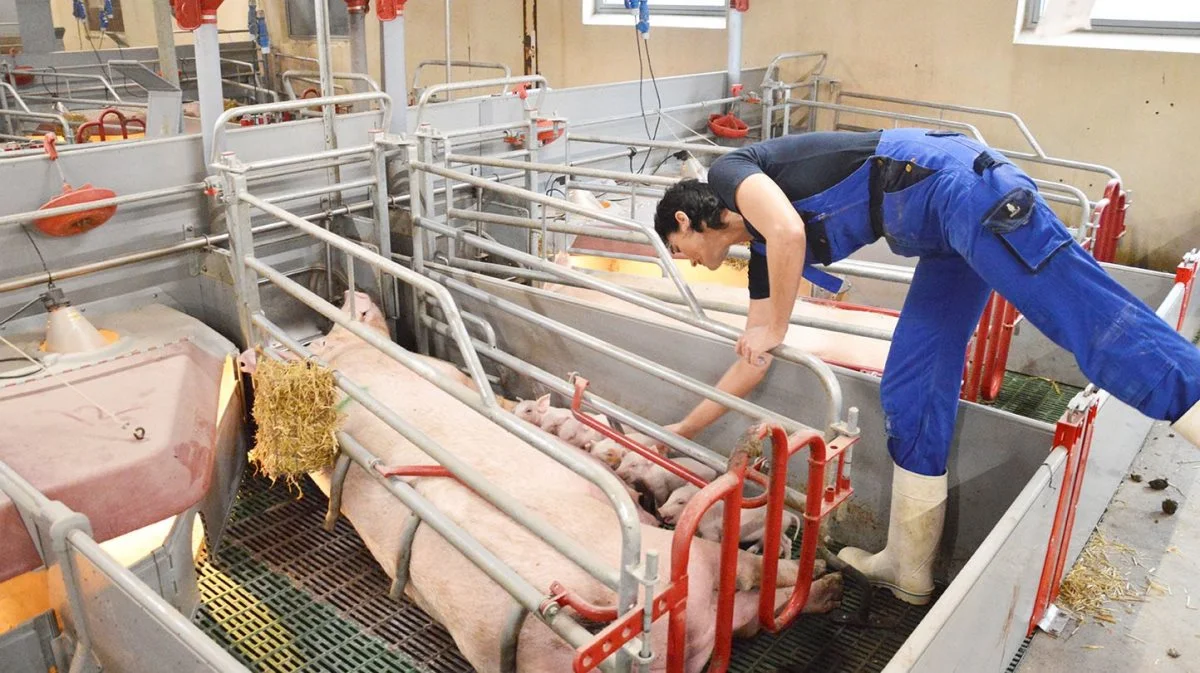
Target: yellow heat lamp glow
[22, 598]
[727, 274]
[28, 595]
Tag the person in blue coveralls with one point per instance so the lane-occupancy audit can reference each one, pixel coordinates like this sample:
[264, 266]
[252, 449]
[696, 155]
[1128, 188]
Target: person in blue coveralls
[975, 222]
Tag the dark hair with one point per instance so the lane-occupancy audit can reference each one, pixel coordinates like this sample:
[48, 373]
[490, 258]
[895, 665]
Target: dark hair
[696, 199]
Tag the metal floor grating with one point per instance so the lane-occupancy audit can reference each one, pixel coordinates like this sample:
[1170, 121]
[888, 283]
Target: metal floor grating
[817, 644]
[285, 595]
[1034, 397]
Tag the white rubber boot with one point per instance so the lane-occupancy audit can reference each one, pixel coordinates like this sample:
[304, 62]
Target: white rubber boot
[915, 527]
[1188, 425]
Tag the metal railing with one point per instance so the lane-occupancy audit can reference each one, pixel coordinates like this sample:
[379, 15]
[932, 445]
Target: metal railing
[693, 314]
[482, 65]
[428, 94]
[312, 77]
[247, 271]
[101, 592]
[384, 100]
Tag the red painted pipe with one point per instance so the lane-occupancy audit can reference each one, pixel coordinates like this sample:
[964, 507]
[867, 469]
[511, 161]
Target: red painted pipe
[673, 600]
[1184, 273]
[782, 450]
[845, 306]
[994, 379]
[590, 611]
[1085, 448]
[727, 487]
[414, 471]
[992, 329]
[1111, 223]
[971, 393]
[644, 451]
[1075, 434]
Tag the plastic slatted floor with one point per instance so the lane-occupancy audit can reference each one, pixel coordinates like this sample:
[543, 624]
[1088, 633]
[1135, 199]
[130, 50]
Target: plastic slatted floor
[285, 595]
[1034, 397]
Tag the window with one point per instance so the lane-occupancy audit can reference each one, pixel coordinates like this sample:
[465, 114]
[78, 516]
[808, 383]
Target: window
[115, 25]
[663, 13]
[302, 19]
[670, 7]
[1165, 17]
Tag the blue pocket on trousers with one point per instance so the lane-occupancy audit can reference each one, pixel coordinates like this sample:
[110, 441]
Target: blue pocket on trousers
[1028, 229]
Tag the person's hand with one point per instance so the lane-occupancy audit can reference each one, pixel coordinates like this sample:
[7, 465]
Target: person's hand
[677, 428]
[756, 341]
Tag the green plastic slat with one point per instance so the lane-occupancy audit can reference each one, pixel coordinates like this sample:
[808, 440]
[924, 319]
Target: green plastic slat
[1034, 397]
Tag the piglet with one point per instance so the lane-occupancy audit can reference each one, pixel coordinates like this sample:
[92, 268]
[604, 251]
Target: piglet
[531, 411]
[753, 528]
[575, 433]
[647, 477]
[612, 452]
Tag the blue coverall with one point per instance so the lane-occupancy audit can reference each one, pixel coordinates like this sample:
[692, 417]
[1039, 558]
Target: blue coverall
[976, 222]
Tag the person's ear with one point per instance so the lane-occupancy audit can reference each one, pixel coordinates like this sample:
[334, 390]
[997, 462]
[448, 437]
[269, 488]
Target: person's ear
[685, 224]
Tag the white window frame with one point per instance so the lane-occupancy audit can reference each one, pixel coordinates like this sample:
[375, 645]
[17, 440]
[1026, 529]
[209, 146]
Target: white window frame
[1134, 26]
[686, 15]
[1131, 35]
[339, 29]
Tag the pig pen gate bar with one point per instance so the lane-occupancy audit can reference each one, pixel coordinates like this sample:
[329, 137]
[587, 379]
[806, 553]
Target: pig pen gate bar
[1101, 222]
[246, 270]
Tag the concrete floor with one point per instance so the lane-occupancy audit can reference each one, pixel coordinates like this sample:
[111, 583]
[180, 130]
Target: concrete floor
[1168, 550]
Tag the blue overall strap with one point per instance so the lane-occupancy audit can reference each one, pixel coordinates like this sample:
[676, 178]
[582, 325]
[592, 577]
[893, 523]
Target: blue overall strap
[824, 280]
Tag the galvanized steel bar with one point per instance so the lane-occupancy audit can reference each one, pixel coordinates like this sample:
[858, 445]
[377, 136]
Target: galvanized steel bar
[822, 370]
[186, 245]
[634, 178]
[490, 65]
[16, 96]
[510, 638]
[321, 190]
[171, 620]
[400, 577]
[655, 369]
[68, 137]
[292, 161]
[886, 114]
[564, 205]
[495, 568]
[559, 227]
[385, 103]
[479, 84]
[657, 111]
[885, 272]
[461, 469]
[654, 144]
[337, 482]
[388, 266]
[29, 216]
[685, 446]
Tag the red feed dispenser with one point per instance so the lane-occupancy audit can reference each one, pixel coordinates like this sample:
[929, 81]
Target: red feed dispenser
[69, 224]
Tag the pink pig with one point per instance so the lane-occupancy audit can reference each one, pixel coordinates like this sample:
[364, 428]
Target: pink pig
[753, 522]
[647, 477]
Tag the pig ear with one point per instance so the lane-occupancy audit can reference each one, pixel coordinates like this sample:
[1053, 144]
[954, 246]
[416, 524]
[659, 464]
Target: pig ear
[543, 402]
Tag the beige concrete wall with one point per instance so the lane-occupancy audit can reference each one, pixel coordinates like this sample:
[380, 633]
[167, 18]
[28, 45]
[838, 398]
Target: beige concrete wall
[1130, 110]
[139, 25]
[481, 30]
[1134, 111]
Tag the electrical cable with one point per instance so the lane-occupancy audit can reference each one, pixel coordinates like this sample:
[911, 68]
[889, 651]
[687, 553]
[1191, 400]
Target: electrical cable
[49, 276]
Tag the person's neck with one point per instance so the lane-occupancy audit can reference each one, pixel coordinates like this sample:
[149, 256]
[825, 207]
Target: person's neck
[735, 230]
